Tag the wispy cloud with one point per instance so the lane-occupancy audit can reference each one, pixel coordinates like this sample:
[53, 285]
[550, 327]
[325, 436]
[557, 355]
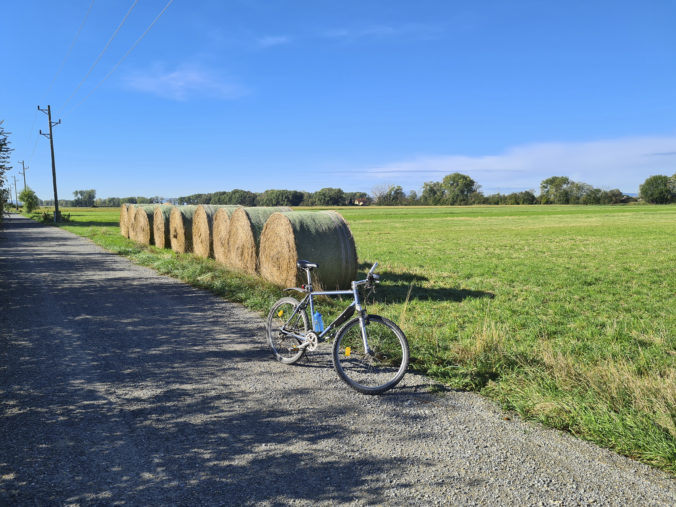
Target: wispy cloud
[614, 163]
[272, 41]
[412, 30]
[184, 82]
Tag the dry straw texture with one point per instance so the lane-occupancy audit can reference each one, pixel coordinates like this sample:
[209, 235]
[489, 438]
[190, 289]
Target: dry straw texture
[180, 228]
[246, 226]
[129, 220]
[202, 228]
[220, 230]
[124, 224]
[322, 237]
[142, 227]
[161, 226]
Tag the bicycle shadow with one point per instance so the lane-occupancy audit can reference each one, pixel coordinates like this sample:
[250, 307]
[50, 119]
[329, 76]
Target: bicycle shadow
[395, 287]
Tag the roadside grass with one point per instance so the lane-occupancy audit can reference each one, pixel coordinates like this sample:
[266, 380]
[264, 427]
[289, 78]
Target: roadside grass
[565, 314]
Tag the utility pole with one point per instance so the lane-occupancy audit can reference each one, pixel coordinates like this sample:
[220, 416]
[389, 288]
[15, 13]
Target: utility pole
[49, 136]
[24, 174]
[16, 199]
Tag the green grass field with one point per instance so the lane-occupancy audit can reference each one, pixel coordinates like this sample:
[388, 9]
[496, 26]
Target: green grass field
[565, 314]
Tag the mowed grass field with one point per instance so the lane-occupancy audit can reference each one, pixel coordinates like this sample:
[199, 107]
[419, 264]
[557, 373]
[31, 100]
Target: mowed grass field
[564, 314]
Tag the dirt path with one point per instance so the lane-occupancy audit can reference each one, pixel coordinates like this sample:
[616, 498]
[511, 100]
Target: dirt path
[118, 385]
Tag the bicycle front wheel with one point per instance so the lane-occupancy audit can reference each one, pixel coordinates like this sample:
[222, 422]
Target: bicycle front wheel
[285, 320]
[379, 370]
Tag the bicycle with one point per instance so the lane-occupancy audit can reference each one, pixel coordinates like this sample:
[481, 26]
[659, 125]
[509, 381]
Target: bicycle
[370, 353]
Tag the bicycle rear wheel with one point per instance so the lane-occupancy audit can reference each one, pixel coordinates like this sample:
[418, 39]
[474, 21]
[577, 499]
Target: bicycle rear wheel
[281, 325]
[378, 371]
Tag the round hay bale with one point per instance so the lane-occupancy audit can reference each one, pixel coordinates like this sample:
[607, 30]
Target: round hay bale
[124, 224]
[244, 236]
[142, 227]
[322, 237]
[202, 228]
[161, 226]
[131, 209]
[180, 228]
[219, 231]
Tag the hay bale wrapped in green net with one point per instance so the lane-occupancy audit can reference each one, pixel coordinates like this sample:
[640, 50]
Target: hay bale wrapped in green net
[142, 226]
[202, 228]
[220, 229]
[124, 224]
[161, 225]
[180, 228]
[246, 226]
[322, 237]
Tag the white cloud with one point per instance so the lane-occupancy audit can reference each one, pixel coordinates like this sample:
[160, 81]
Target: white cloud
[614, 163]
[184, 82]
[413, 30]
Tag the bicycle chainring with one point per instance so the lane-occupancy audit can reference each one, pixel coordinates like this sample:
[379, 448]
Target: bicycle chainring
[312, 341]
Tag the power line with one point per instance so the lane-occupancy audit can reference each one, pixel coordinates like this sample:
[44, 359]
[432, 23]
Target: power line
[98, 59]
[63, 63]
[72, 45]
[123, 58]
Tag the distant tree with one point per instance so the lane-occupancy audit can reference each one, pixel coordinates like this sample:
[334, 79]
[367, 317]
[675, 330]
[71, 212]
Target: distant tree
[433, 193]
[555, 190]
[412, 197]
[614, 196]
[351, 197]
[5, 166]
[329, 197]
[84, 198]
[393, 196]
[459, 189]
[29, 199]
[657, 190]
[279, 198]
[241, 197]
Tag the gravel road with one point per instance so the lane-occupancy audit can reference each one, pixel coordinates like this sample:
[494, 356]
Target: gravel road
[121, 386]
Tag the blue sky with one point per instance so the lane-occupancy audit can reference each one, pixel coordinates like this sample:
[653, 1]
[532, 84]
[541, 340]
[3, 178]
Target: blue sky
[302, 95]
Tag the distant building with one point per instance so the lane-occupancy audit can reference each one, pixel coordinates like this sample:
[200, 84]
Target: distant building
[360, 201]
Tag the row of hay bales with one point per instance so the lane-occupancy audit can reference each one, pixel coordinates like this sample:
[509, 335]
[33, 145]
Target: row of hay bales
[262, 240]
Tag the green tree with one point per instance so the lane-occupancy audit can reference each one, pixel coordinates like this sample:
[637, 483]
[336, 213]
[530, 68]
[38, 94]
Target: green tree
[84, 198]
[555, 190]
[393, 196]
[279, 198]
[29, 199]
[657, 190]
[433, 193]
[5, 166]
[329, 197]
[241, 197]
[459, 189]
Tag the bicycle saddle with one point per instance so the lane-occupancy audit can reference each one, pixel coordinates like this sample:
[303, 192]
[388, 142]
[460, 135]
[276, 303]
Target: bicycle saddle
[306, 265]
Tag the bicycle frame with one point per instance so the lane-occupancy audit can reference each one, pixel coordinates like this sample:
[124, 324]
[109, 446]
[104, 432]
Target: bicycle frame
[344, 316]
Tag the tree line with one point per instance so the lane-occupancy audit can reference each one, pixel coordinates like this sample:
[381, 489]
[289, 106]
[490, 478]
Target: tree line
[454, 189]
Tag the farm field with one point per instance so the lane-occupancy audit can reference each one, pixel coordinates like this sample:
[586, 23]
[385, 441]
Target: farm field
[565, 314]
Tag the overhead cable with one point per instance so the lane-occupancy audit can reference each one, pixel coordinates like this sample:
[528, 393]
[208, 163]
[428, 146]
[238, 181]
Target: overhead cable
[123, 58]
[98, 59]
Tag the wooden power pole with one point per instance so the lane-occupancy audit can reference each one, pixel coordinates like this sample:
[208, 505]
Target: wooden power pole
[49, 136]
[16, 199]
[24, 173]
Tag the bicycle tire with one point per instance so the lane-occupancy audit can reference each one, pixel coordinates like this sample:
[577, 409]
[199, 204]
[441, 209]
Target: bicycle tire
[285, 347]
[376, 373]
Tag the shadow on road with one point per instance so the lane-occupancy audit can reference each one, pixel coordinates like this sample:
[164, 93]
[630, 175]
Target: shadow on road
[120, 388]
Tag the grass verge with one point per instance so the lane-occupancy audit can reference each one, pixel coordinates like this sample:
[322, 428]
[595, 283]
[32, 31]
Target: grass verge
[564, 314]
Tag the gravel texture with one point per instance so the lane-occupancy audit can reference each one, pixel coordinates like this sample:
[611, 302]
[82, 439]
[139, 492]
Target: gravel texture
[121, 386]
